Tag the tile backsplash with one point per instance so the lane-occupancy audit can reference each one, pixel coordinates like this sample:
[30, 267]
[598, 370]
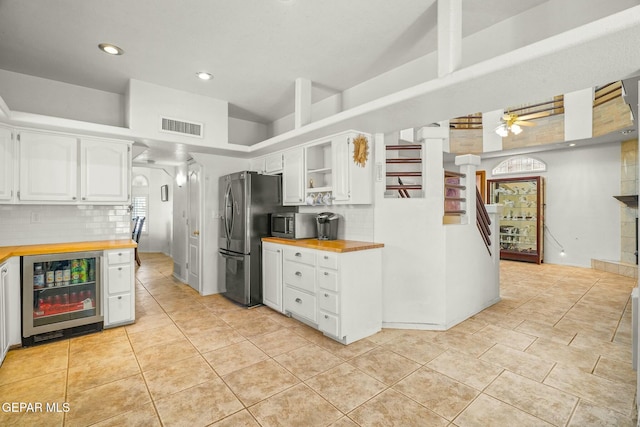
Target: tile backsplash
[356, 221]
[35, 224]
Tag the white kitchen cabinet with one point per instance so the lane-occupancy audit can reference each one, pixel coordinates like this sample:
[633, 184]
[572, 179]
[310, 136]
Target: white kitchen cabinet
[58, 168]
[257, 165]
[48, 167]
[104, 171]
[274, 163]
[7, 160]
[293, 177]
[272, 276]
[352, 183]
[338, 293]
[119, 287]
[9, 305]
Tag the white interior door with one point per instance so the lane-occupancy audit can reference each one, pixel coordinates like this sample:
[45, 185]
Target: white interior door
[194, 226]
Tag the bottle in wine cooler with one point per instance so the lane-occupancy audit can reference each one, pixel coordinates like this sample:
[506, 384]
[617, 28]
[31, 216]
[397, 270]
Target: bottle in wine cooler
[38, 276]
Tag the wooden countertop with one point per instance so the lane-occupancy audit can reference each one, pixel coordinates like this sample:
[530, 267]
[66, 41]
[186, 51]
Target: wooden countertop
[326, 245]
[7, 252]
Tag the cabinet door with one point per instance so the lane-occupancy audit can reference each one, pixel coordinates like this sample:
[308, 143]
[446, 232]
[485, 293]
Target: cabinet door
[48, 167]
[257, 165]
[104, 171]
[272, 276]
[6, 163]
[4, 320]
[273, 163]
[341, 161]
[292, 177]
[119, 279]
[119, 309]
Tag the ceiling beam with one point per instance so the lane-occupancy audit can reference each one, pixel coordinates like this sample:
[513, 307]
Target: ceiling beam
[449, 36]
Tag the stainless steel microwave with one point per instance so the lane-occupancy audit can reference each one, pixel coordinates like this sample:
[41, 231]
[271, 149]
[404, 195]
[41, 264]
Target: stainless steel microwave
[293, 225]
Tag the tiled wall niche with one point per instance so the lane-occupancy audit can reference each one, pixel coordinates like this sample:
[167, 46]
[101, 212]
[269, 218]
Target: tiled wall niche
[35, 224]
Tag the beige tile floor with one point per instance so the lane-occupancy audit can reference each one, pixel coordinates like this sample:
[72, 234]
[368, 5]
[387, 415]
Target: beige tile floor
[555, 351]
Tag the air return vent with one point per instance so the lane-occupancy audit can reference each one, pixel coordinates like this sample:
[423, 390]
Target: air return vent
[181, 127]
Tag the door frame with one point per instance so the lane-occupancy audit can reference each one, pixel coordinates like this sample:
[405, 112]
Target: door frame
[190, 166]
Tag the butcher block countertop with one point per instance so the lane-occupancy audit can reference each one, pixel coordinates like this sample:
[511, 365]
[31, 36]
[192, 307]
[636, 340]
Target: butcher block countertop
[326, 245]
[7, 252]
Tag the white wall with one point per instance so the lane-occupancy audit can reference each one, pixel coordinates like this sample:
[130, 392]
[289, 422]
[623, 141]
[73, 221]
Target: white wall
[147, 103]
[36, 224]
[159, 234]
[581, 212]
[52, 98]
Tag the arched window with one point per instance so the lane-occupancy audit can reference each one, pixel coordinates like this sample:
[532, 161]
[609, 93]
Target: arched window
[140, 199]
[519, 164]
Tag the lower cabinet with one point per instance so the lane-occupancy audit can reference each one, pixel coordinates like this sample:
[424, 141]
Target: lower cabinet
[9, 305]
[339, 294]
[119, 288]
[272, 276]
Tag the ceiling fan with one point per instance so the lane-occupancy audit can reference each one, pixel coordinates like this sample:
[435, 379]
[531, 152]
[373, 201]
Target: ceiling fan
[511, 123]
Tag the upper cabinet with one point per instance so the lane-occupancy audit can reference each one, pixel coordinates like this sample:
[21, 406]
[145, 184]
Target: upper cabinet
[48, 167]
[338, 170]
[7, 160]
[293, 177]
[59, 168]
[274, 163]
[104, 171]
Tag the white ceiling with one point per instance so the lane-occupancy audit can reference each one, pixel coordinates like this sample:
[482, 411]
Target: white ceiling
[254, 48]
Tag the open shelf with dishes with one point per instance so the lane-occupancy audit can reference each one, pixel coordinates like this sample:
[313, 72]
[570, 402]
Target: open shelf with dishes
[522, 219]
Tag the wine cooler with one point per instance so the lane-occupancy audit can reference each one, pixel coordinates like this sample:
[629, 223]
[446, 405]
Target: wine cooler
[61, 296]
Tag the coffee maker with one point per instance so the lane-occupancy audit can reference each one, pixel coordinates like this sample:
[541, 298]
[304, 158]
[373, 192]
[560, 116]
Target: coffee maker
[327, 223]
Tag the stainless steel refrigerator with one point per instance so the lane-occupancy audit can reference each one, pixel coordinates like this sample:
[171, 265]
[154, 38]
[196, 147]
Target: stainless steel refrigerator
[246, 200]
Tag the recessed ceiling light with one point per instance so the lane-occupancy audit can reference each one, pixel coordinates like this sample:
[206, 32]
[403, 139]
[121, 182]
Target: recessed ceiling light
[111, 49]
[573, 144]
[203, 75]
[626, 131]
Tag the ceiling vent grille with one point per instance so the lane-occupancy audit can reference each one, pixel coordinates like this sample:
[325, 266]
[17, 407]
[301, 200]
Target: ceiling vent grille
[181, 127]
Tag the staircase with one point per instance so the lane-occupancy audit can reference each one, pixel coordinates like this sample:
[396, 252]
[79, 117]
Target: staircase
[404, 160]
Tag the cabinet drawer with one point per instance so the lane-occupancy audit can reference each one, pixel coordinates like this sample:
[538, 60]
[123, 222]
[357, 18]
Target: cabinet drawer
[298, 255]
[328, 260]
[119, 309]
[300, 303]
[119, 279]
[328, 279]
[300, 275]
[328, 301]
[119, 257]
[329, 324]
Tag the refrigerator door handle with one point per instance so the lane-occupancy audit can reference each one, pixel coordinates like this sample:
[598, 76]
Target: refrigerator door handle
[229, 256]
[228, 213]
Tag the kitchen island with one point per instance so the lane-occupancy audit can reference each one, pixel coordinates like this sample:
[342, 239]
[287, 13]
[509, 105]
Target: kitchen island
[334, 286]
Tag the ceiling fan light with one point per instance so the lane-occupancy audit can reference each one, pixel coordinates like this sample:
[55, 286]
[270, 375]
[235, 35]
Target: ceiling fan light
[502, 131]
[516, 129]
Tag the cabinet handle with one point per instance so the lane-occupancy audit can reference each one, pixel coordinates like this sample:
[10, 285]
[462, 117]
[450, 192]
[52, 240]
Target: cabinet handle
[326, 257]
[326, 316]
[298, 274]
[119, 268]
[4, 270]
[84, 198]
[326, 295]
[326, 273]
[278, 251]
[298, 300]
[119, 253]
[120, 297]
[298, 254]
[74, 198]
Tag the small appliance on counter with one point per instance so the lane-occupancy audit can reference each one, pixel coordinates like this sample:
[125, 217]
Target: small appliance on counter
[327, 223]
[293, 225]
